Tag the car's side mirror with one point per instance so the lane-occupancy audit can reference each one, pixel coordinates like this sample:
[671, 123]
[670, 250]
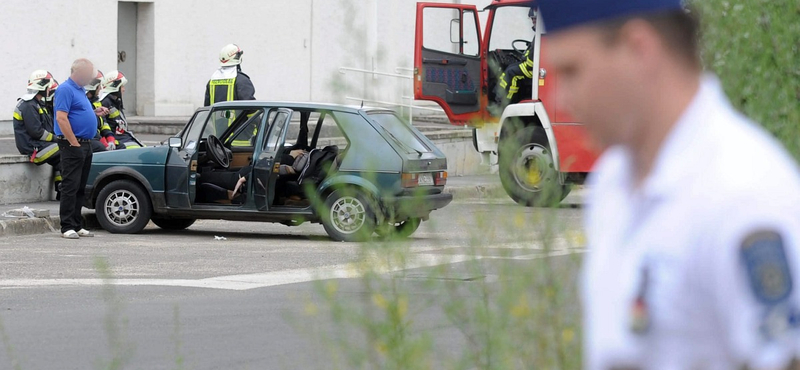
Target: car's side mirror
[175, 142]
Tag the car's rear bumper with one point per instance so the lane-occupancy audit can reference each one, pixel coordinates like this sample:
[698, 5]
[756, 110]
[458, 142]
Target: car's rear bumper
[404, 207]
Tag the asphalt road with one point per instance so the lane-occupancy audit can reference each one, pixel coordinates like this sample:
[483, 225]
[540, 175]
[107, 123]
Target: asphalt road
[253, 300]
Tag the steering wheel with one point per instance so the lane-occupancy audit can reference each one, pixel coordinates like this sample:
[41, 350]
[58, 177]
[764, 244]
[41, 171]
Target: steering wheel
[520, 53]
[219, 154]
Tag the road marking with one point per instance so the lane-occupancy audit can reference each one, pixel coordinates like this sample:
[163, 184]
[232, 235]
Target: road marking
[284, 277]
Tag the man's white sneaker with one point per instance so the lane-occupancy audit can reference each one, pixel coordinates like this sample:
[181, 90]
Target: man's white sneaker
[70, 234]
[83, 233]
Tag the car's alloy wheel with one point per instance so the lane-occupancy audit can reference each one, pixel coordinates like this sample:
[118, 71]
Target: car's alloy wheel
[349, 216]
[123, 207]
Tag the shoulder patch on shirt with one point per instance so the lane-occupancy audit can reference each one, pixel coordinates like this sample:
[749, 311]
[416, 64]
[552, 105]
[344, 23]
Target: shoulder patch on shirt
[767, 267]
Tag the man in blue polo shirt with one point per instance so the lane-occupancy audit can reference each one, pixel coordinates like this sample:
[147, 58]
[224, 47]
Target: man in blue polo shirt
[77, 126]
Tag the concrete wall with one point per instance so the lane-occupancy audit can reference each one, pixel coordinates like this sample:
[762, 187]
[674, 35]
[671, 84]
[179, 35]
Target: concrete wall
[22, 181]
[293, 49]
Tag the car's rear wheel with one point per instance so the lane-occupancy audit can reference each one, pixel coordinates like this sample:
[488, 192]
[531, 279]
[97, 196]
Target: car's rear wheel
[527, 169]
[123, 207]
[348, 216]
[173, 224]
[400, 230]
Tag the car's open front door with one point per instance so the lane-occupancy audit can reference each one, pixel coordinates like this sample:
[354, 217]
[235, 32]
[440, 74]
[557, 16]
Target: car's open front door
[268, 163]
[181, 169]
[447, 59]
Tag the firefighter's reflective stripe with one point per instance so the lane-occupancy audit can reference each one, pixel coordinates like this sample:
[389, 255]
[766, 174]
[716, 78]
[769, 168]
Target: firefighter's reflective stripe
[514, 86]
[57, 177]
[103, 124]
[228, 83]
[45, 154]
[18, 113]
[527, 65]
[113, 113]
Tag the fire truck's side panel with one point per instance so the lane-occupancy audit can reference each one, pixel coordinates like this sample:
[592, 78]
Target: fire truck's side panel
[574, 148]
[575, 153]
[548, 88]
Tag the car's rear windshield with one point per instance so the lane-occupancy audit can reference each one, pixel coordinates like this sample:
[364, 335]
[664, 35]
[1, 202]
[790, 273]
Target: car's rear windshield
[400, 131]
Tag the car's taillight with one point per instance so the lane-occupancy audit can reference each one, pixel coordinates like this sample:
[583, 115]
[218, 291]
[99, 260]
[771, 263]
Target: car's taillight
[409, 180]
[441, 178]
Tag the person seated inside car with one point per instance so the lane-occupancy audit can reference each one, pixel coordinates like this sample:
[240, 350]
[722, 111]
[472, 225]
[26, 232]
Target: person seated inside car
[223, 186]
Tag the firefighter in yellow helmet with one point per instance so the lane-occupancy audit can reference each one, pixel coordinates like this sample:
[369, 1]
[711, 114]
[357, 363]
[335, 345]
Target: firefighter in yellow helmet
[111, 98]
[229, 82]
[33, 123]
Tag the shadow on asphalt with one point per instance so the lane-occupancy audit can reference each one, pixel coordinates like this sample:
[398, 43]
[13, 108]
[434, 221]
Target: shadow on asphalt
[264, 236]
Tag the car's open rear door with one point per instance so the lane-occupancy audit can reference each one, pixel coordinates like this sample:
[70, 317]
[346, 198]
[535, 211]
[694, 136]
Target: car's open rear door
[447, 59]
[265, 170]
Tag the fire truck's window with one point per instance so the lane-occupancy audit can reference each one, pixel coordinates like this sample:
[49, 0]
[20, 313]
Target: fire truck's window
[450, 31]
[510, 23]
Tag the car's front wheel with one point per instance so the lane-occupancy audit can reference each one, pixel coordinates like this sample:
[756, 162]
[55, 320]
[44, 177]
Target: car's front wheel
[123, 207]
[173, 224]
[348, 216]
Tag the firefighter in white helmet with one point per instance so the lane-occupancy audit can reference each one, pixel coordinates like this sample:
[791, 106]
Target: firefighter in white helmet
[111, 98]
[33, 123]
[104, 140]
[229, 82]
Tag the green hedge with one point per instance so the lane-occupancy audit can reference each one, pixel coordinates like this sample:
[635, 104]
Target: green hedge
[754, 47]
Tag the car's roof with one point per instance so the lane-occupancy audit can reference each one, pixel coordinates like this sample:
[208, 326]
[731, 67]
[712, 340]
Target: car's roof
[299, 105]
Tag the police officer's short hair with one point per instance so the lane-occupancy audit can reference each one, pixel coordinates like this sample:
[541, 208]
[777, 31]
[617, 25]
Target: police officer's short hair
[679, 29]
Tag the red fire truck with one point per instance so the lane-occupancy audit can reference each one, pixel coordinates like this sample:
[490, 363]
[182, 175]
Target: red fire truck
[538, 149]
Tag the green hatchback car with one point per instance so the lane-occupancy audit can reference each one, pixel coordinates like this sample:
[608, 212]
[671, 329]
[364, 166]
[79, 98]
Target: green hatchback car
[357, 171]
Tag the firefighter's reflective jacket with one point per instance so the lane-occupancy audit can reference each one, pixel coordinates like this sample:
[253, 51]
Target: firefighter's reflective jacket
[117, 122]
[509, 83]
[33, 127]
[103, 129]
[228, 84]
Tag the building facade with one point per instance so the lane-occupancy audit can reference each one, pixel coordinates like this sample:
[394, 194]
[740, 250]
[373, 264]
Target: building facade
[312, 50]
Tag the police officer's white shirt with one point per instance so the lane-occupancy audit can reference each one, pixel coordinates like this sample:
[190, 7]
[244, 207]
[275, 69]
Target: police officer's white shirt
[717, 179]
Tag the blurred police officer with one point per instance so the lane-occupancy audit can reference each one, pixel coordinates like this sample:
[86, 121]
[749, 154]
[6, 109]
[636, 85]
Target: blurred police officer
[33, 123]
[693, 219]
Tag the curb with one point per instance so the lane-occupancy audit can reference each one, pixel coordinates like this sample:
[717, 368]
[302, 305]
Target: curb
[43, 225]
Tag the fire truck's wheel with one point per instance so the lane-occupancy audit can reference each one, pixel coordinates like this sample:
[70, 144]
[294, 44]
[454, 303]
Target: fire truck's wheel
[527, 169]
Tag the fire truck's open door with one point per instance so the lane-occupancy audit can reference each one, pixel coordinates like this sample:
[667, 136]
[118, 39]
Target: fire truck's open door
[447, 59]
